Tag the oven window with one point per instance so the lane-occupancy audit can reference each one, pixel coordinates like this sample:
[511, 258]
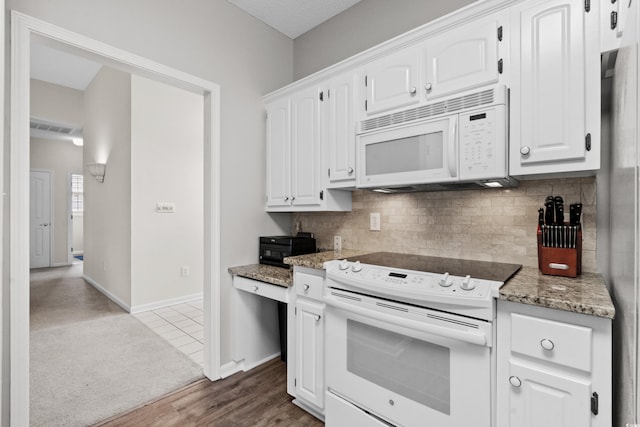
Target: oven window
[415, 369]
[415, 153]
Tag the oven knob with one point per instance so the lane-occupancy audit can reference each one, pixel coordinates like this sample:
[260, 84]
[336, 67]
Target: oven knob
[343, 264]
[356, 267]
[446, 281]
[467, 284]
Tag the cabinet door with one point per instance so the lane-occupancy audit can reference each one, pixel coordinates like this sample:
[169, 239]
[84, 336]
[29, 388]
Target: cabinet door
[340, 129]
[392, 81]
[462, 58]
[546, 399]
[555, 73]
[310, 354]
[278, 154]
[305, 148]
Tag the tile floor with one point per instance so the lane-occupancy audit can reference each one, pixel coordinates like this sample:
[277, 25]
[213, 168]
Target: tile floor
[181, 325]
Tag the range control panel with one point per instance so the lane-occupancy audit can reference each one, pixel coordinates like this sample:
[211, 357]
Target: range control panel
[411, 285]
[483, 144]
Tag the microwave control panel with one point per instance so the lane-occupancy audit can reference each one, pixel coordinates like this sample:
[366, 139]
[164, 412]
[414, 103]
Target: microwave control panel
[483, 144]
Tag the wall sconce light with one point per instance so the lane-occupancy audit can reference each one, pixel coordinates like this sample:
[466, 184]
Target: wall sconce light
[97, 170]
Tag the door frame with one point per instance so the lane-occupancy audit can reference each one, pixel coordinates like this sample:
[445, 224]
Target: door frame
[23, 29]
[52, 177]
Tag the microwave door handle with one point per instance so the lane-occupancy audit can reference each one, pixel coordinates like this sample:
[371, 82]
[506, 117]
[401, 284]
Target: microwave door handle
[452, 146]
[477, 338]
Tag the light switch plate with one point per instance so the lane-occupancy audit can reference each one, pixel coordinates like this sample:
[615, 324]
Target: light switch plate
[165, 207]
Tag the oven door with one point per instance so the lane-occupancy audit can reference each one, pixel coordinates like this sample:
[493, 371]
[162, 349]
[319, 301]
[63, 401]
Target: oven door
[409, 369]
[419, 153]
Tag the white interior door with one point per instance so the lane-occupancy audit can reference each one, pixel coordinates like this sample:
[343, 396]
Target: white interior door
[40, 219]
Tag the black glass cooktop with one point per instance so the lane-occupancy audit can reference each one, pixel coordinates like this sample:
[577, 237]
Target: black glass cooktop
[498, 271]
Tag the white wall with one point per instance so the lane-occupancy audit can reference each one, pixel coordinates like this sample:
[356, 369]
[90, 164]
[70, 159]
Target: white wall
[218, 42]
[56, 103]
[167, 134]
[62, 158]
[107, 213]
[360, 27]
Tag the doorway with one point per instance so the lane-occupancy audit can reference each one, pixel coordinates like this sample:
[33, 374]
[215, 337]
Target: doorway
[25, 30]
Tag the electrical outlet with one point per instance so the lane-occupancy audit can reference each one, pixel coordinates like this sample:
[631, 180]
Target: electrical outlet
[374, 221]
[337, 243]
[184, 271]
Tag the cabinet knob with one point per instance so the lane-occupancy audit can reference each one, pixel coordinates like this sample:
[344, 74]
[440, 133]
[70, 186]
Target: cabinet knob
[286, 199]
[547, 344]
[317, 317]
[428, 87]
[525, 150]
[293, 198]
[350, 170]
[413, 90]
[306, 287]
[255, 289]
[515, 381]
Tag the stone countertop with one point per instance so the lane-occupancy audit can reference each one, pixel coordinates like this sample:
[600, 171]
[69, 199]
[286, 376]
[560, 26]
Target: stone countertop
[264, 273]
[318, 259]
[585, 294]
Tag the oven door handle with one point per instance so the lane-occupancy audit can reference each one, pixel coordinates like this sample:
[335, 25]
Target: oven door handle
[477, 338]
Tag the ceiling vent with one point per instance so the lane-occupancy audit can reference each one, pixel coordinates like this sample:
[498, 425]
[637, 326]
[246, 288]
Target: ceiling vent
[45, 129]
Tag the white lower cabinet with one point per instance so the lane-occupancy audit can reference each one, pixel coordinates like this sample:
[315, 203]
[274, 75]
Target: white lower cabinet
[554, 368]
[307, 369]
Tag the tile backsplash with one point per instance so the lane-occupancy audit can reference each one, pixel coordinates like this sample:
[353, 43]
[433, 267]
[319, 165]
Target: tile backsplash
[488, 224]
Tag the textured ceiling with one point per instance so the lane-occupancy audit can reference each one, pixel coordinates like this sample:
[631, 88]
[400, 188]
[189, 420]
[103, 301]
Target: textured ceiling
[293, 17]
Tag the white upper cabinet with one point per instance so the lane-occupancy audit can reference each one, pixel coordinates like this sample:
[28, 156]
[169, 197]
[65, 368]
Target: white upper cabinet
[339, 129]
[278, 154]
[465, 57]
[305, 148]
[295, 163]
[555, 87]
[391, 82]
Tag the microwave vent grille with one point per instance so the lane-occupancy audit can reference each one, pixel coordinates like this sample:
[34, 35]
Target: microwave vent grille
[448, 106]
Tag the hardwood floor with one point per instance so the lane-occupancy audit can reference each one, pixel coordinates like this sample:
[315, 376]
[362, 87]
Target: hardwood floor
[254, 398]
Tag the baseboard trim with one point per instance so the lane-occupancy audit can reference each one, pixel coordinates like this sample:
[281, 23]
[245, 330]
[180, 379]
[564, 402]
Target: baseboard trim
[60, 264]
[107, 293]
[234, 367]
[230, 368]
[165, 303]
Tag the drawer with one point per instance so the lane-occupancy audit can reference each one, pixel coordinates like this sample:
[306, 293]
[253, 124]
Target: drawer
[308, 285]
[561, 343]
[267, 290]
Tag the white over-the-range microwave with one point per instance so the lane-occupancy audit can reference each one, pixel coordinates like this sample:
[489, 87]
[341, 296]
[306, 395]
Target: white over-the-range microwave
[456, 143]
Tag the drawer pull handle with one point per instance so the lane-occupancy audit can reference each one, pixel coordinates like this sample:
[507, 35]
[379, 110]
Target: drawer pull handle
[547, 344]
[558, 266]
[306, 287]
[255, 289]
[515, 381]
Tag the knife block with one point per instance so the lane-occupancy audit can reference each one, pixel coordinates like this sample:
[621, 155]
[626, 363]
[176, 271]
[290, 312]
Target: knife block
[565, 262]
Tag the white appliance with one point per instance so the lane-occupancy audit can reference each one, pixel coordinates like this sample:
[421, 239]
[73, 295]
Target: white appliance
[408, 347]
[459, 140]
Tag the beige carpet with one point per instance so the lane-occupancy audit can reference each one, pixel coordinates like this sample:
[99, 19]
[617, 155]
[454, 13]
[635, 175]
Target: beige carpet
[91, 360]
